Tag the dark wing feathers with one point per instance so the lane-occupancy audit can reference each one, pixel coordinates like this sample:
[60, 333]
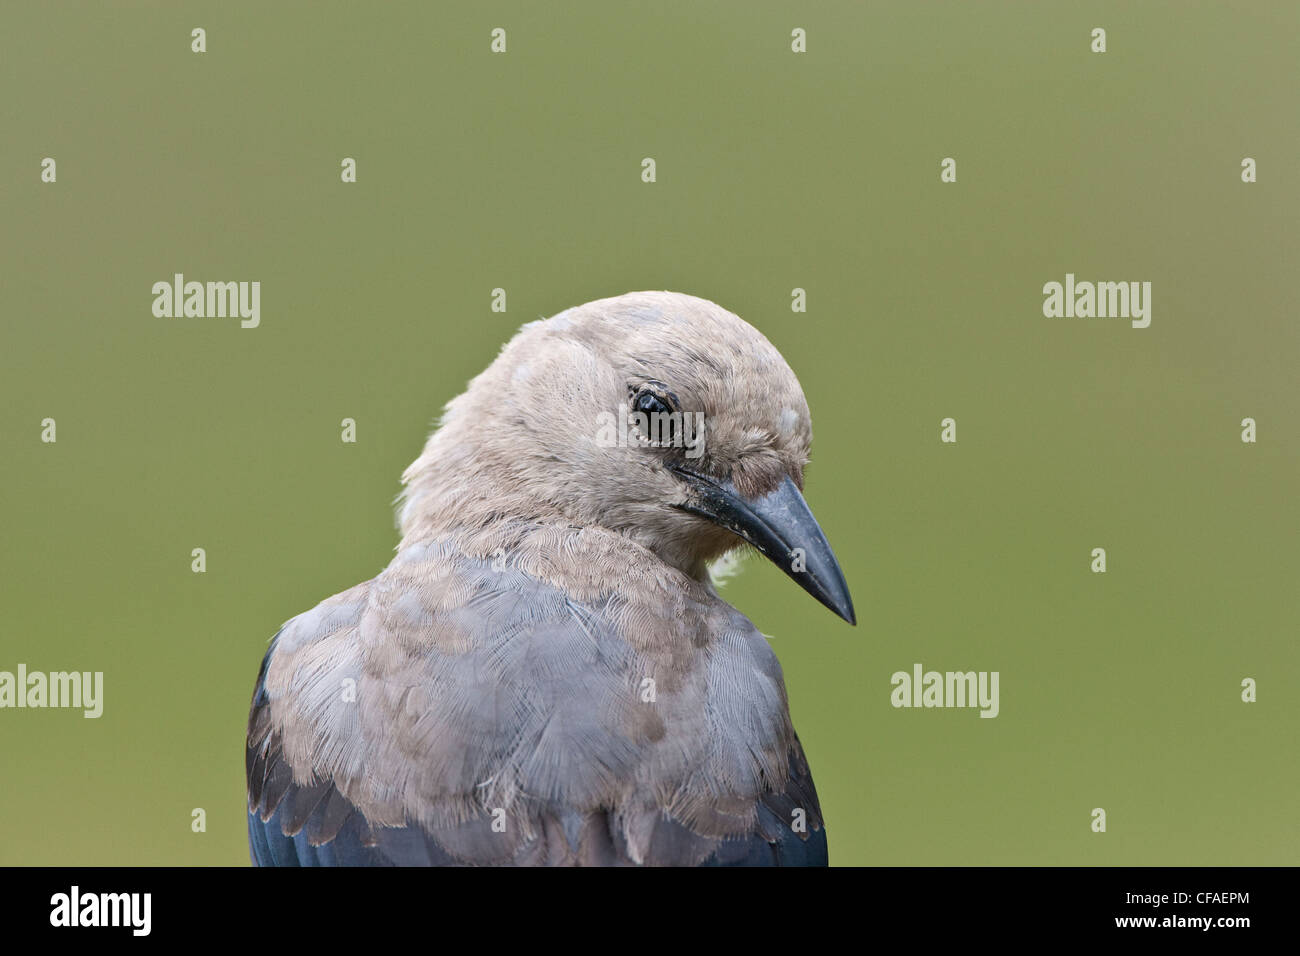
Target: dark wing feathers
[316, 825]
[332, 832]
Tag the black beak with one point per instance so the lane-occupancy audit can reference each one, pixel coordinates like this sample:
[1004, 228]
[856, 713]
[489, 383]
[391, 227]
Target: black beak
[780, 525]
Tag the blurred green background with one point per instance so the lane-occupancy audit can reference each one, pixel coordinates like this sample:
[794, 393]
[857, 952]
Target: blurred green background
[775, 171]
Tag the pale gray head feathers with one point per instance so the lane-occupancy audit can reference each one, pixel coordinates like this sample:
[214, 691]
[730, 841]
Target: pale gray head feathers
[525, 437]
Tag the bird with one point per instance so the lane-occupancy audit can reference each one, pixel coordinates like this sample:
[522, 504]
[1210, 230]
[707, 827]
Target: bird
[545, 673]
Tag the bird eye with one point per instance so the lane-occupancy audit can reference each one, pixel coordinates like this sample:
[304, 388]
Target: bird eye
[650, 403]
[658, 406]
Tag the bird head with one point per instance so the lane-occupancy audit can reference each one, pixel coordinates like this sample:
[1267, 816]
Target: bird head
[657, 415]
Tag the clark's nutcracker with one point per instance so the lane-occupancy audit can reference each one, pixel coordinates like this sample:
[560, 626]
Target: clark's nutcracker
[545, 674]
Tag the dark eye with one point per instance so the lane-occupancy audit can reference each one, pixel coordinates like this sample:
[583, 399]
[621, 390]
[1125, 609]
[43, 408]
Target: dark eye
[650, 403]
[659, 408]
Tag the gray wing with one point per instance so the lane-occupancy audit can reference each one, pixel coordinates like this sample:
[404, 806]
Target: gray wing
[452, 712]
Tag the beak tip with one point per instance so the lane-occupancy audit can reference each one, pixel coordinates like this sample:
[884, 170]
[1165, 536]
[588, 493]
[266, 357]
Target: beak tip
[843, 608]
[774, 524]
